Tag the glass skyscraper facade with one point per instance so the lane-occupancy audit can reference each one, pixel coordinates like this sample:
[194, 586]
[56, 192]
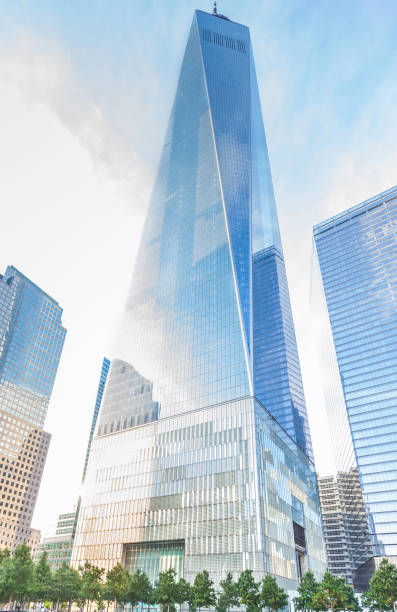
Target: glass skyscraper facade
[357, 256]
[345, 523]
[101, 387]
[201, 456]
[31, 342]
[59, 546]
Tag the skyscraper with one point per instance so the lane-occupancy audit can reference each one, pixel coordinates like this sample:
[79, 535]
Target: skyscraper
[59, 546]
[101, 386]
[357, 256]
[345, 523]
[187, 466]
[31, 342]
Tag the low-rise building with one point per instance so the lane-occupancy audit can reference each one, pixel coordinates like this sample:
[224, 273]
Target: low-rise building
[59, 547]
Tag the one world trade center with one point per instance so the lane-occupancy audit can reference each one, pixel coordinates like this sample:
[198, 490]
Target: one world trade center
[201, 457]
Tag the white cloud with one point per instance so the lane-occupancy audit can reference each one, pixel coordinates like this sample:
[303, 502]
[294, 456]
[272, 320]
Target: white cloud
[72, 203]
[364, 166]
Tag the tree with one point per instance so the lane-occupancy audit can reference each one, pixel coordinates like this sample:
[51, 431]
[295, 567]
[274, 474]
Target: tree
[184, 593]
[190, 595]
[5, 569]
[16, 577]
[229, 596]
[166, 590]
[272, 596]
[4, 555]
[351, 602]
[203, 591]
[116, 586]
[139, 589]
[307, 590]
[91, 583]
[331, 594]
[66, 585]
[248, 591]
[42, 579]
[382, 593]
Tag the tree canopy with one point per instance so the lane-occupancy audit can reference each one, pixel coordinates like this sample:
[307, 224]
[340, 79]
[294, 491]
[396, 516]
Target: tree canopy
[138, 589]
[228, 597]
[382, 593]
[248, 591]
[307, 589]
[21, 581]
[334, 594]
[166, 590]
[272, 596]
[203, 591]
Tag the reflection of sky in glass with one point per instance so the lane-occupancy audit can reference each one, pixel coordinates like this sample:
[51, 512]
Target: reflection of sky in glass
[278, 382]
[98, 401]
[182, 329]
[31, 341]
[357, 253]
[188, 328]
[181, 452]
[224, 480]
[342, 445]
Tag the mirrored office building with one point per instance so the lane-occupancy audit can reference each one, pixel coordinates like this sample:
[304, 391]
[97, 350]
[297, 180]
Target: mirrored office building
[357, 256]
[31, 342]
[201, 458]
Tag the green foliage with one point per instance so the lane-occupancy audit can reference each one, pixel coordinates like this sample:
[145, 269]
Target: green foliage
[91, 583]
[351, 602]
[5, 570]
[307, 590]
[17, 575]
[272, 596]
[382, 593]
[21, 581]
[330, 594]
[248, 591]
[228, 597]
[166, 590]
[4, 555]
[42, 578]
[184, 593]
[203, 591]
[138, 589]
[189, 592]
[66, 585]
[334, 594]
[115, 589]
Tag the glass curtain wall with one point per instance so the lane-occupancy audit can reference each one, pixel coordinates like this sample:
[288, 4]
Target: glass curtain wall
[31, 342]
[357, 255]
[184, 451]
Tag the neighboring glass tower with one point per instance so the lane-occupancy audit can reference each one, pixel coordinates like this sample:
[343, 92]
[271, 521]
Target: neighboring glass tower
[187, 467]
[345, 523]
[357, 255]
[101, 387]
[59, 546]
[31, 342]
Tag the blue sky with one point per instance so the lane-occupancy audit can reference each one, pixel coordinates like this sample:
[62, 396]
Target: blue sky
[320, 64]
[86, 90]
